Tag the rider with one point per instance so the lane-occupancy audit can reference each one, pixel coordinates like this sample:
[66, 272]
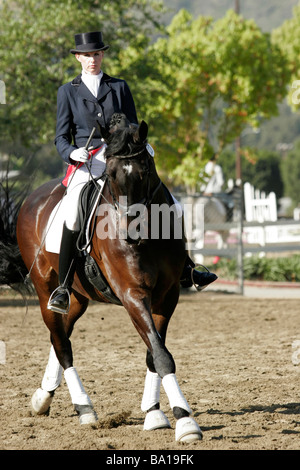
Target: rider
[93, 96]
[215, 179]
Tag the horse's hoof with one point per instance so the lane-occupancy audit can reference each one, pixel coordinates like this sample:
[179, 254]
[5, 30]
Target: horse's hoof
[41, 401]
[156, 419]
[187, 430]
[86, 414]
[88, 418]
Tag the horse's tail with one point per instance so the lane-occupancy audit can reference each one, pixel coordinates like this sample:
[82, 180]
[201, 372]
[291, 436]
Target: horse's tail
[12, 267]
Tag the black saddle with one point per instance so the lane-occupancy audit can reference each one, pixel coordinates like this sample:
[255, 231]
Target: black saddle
[88, 271]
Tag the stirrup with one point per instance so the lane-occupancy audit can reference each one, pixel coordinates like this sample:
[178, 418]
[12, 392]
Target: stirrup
[54, 308]
[198, 288]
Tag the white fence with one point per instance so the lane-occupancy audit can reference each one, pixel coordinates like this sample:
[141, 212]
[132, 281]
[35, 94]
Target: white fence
[252, 227]
[259, 207]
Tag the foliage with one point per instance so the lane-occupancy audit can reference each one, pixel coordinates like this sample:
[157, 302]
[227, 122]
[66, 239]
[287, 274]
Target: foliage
[203, 83]
[285, 269]
[36, 37]
[287, 38]
[290, 170]
[261, 168]
[197, 86]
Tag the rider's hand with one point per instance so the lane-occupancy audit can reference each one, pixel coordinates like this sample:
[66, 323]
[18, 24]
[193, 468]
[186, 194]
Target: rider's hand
[80, 155]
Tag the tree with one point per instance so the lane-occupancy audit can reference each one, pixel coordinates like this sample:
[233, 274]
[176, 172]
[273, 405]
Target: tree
[261, 168]
[290, 169]
[286, 37]
[208, 80]
[36, 36]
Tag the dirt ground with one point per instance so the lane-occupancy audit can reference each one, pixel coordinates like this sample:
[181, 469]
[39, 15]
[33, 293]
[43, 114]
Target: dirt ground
[237, 364]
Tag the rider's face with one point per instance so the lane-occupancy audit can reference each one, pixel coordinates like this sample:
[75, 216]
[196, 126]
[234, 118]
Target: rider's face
[91, 61]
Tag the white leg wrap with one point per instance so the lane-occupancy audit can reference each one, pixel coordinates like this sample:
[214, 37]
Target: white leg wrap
[76, 389]
[151, 390]
[53, 373]
[175, 395]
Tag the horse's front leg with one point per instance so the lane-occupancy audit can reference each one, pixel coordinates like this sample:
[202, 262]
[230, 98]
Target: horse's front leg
[187, 429]
[61, 362]
[161, 369]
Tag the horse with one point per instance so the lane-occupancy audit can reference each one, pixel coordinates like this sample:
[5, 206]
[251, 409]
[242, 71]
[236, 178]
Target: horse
[143, 273]
[217, 210]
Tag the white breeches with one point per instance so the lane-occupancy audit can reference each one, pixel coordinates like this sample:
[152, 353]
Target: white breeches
[81, 176]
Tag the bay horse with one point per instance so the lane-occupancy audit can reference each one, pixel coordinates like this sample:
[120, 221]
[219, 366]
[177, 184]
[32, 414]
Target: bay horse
[143, 273]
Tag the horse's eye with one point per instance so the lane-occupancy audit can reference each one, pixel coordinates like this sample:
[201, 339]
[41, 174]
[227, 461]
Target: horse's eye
[112, 174]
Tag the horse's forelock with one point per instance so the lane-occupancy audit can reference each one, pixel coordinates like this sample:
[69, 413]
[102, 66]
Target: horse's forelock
[121, 142]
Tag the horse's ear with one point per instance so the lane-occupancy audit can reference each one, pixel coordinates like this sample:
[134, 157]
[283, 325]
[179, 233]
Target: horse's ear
[103, 132]
[141, 132]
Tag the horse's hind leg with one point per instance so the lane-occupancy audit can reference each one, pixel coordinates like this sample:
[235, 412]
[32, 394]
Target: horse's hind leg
[60, 359]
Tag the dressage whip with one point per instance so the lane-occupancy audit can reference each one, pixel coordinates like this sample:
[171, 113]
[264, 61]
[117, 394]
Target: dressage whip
[86, 163]
[27, 277]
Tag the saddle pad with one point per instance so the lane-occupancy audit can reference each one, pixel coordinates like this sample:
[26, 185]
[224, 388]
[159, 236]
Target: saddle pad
[56, 221]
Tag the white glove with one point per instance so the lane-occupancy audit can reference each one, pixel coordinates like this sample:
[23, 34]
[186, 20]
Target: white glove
[80, 155]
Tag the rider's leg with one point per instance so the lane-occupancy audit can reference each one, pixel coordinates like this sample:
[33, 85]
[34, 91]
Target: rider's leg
[60, 299]
[190, 276]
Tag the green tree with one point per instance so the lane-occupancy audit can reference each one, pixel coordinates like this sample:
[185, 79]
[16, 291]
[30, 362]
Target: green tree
[207, 81]
[286, 37]
[261, 168]
[290, 169]
[36, 36]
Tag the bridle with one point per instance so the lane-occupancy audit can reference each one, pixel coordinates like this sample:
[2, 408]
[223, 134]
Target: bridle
[147, 200]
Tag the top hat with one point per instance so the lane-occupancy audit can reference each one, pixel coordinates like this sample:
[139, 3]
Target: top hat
[89, 42]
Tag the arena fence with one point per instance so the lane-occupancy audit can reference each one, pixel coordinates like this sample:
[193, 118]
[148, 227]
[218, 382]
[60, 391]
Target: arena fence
[216, 228]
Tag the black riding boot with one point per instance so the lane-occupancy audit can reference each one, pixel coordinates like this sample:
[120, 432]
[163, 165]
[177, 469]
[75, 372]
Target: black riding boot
[60, 298]
[200, 279]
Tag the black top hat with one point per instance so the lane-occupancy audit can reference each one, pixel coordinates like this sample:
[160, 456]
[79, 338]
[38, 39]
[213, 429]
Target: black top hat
[89, 42]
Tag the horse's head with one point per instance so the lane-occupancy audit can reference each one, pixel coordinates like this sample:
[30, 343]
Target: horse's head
[130, 167]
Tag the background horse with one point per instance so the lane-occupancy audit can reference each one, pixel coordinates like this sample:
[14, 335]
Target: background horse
[143, 274]
[217, 210]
